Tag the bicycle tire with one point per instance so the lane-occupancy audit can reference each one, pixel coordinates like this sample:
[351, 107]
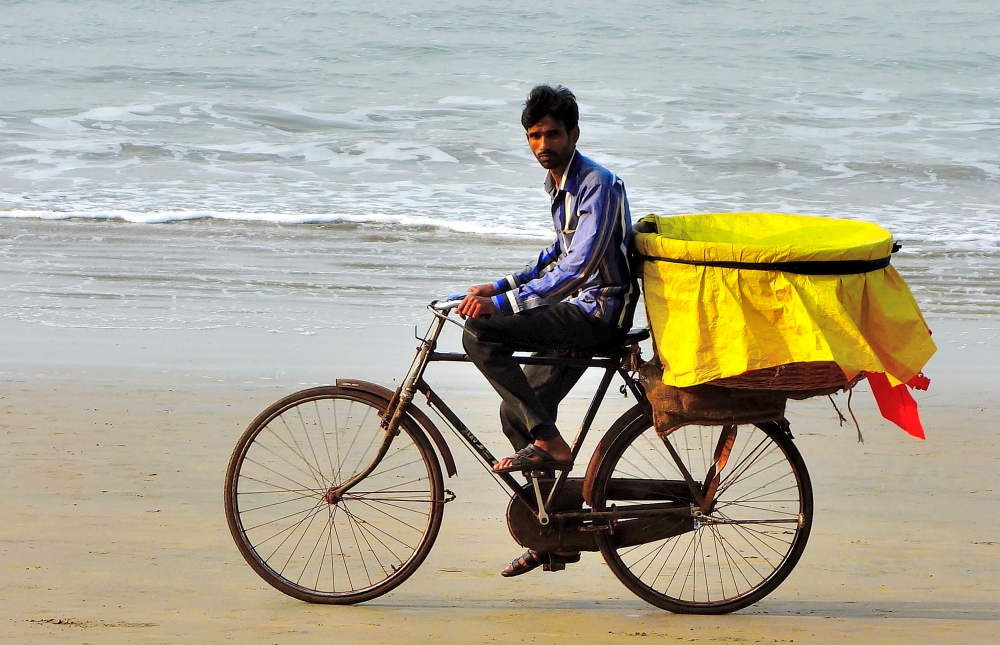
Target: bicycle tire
[740, 551]
[343, 552]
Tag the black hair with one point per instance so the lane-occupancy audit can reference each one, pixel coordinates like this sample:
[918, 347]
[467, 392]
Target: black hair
[545, 100]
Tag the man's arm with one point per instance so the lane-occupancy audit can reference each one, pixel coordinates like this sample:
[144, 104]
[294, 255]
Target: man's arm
[601, 211]
[531, 271]
[479, 301]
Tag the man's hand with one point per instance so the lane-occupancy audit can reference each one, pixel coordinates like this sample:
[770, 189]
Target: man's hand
[483, 290]
[476, 306]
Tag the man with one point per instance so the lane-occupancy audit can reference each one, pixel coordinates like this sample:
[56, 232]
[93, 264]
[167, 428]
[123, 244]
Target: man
[576, 297]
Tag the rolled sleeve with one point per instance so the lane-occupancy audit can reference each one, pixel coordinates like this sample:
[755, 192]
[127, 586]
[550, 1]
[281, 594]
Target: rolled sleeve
[506, 303]
[504, 284]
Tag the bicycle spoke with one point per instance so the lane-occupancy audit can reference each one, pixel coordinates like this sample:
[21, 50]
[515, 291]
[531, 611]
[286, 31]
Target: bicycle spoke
[351, 522]
[409, 463]
[297, 543]
[340, 546]
[732, 565]
[326, 445]
[364, 500]
[730, 548]
[312, 449]
[285, 517]
[362, 527]
[320, 480]
[756, 508]
[375, 437]
[328, 532]
[748, 533]
[391, 517]
[290, 529]
[395, 486]
[280, 489]
[718, 561]
[677, 569]
[336, 439]
[367, 529]
[744, 497]
[305, 566]
[747, 476]
[282, 475]
[740, 469]
[273, 504]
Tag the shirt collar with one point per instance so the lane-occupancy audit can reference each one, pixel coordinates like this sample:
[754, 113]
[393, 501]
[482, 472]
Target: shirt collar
[550, 185]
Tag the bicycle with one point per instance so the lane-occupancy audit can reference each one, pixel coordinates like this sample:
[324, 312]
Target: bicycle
[335, 494]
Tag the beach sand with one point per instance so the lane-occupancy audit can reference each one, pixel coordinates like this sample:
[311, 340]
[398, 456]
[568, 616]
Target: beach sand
[114, 444]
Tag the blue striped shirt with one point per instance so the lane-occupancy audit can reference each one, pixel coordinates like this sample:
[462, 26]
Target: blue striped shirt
[588, 264]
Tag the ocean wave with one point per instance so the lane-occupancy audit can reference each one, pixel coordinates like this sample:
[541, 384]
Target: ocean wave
[98, 115]
[961, 242]
[166, 217]
[944, 242]
[472, 102]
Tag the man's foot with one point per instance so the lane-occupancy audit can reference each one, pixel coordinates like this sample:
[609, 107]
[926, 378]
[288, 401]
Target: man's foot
[555, 449]
[533, 559]
[531, 457]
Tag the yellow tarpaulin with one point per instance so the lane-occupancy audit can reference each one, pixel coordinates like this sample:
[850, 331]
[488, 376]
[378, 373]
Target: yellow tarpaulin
[712, 322]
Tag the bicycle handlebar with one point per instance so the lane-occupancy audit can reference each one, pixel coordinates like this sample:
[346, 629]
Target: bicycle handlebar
[449, 303]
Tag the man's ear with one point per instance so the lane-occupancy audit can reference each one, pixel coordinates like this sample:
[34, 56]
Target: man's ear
[574, 135]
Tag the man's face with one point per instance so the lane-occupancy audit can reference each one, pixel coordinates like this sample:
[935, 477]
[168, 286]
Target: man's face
[552, 145]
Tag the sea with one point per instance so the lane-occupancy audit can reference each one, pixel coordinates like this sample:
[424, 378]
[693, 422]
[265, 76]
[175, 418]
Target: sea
[302, 166]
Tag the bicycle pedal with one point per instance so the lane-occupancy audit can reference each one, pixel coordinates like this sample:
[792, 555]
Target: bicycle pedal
[554, 566]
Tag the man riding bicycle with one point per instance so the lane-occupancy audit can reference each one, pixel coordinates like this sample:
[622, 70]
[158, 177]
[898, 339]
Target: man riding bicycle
[577, 297]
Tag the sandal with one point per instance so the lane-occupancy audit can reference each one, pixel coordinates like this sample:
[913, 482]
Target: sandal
[533, 559]
[531, 457]
[526, 562]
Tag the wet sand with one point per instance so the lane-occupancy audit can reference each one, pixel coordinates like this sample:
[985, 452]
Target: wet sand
[113, 448]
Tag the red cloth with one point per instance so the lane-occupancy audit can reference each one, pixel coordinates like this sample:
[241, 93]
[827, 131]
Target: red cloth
[919, 382]
[897, 404]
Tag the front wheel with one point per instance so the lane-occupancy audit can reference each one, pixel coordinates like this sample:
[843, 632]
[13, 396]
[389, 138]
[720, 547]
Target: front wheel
[756, 526]
[304, 540]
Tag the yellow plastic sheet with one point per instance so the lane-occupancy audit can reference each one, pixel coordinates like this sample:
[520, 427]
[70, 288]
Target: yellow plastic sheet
[712, 322]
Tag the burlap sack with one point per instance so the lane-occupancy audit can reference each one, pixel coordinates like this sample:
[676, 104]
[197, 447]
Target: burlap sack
[705, 404]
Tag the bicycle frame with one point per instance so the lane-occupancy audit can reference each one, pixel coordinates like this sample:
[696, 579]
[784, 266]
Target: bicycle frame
[414, 382]
[717, 485]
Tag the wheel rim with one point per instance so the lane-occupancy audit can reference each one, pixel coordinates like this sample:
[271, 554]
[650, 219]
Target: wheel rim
[309, 540]
[752, 535]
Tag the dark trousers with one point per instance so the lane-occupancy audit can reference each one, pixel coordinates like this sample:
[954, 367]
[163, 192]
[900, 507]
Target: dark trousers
[531, 395]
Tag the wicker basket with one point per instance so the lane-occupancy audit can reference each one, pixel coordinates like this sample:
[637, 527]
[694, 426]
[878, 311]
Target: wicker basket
[794, 380]
[753, 397]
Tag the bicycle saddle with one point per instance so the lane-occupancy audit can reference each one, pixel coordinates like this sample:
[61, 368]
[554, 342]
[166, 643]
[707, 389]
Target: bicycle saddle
[620, 344]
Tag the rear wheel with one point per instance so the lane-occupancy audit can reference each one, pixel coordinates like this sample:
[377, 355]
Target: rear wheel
[739, 551]
[301, 538]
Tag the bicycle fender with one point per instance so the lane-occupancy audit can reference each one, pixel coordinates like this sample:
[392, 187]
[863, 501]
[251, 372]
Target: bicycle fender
[415, 412]
[635, 412]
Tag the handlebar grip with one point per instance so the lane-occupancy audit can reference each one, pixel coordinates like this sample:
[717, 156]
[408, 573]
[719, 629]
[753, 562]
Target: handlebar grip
[446, 305]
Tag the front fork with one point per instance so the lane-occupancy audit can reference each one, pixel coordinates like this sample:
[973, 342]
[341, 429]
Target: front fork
[395, 411]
